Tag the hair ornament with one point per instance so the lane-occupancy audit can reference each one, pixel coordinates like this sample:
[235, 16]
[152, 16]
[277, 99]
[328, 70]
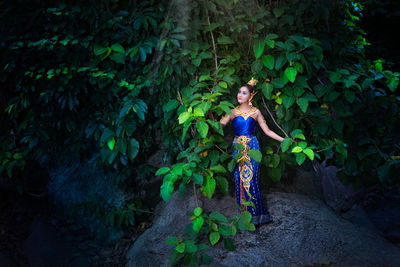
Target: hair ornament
[252, 82]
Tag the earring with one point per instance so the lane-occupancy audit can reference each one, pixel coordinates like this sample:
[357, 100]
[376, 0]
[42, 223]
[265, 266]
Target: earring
[250, 103]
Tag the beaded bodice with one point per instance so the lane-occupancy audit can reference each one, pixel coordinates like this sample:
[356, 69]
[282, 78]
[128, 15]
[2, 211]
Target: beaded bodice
[244, 122]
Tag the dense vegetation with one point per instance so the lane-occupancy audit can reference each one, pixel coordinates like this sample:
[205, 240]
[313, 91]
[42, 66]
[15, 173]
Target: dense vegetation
[100, 79]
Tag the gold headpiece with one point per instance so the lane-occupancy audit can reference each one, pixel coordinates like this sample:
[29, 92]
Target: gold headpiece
[252, 82]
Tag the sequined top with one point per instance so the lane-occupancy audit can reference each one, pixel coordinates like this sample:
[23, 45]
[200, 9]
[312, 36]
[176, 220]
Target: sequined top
[244, 122]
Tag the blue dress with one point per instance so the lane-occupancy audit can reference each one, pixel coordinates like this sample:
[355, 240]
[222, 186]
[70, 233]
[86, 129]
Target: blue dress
[247, 170]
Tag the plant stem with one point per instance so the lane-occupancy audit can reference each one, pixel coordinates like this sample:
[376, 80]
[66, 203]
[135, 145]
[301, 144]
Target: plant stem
[270, 114]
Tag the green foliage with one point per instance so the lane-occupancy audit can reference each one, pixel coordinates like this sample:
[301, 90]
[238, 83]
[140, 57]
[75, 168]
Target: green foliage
[134, 70]
[117, 217]
[204, 232]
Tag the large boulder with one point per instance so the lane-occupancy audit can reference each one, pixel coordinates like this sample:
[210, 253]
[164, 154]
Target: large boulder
[304, 231]
[76, 184]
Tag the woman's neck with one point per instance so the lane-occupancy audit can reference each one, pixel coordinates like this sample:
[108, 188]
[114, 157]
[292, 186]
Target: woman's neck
[244, 107]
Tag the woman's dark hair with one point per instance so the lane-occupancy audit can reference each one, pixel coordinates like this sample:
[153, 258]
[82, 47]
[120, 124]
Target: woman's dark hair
[251, 88]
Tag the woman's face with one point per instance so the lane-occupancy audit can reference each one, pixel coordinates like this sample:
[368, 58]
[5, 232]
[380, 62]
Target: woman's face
[243, 95]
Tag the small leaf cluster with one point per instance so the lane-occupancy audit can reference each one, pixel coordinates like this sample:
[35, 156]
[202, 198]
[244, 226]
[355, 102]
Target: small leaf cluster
[205, 231]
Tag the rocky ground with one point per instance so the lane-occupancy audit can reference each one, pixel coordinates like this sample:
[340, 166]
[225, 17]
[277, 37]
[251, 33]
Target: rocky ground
[362, 231]
[305, 232]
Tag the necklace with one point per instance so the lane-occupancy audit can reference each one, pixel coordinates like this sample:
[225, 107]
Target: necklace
[245, 114]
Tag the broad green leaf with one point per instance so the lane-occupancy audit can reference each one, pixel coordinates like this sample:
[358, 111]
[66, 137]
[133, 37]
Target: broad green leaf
[302, 144]
[214, 237]
[118, 57]
[190, 246]
[341, 149]
[367, 82]
[277, 83]
[275, 174]
[291, 73]
[180, 248]
[303, 104]
[117, 48]
[255, 154]
[268, 61]
[232, 164]
[162, 170]
[173, 240]
[218, 168]
[288, 101]
[225, 40]
[197, 211]
[277, 12]
[285, 144]
[206, 55]
[267, 90]
[258, 48]
[223, 84]
[295, 132]
[300, 136]
[98, 49]
[300, 158]
[209, 187]
[223, 184]
[166, 190]
[309, 153]
[196, 61]
[270, 43]
[275, 160]
[183, 117]
[217, 126]
[334, 76]
[298, 67]
[226, 230]
[204, 78]
[229, 245]
[178, 37]
[216, 216]
[297, 149]
[133, 148]
[198, 112]
[197, 178]
[177, 168]
[280, 61]
[197, 224]
[106, 135]
[271, 36]
[202, 127]
[171, 105]
[17, 156]
[111, 144]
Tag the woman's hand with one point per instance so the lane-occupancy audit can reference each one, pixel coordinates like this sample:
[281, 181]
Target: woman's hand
[225, 119]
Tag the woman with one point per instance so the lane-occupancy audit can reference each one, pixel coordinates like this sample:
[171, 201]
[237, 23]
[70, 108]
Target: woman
[247, 171]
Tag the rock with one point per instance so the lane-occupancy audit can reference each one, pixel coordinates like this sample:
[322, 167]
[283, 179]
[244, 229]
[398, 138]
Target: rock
[170, 219]
[358, 216]
[76, 183]
[305, 231]
[338, 196]
[302, 180]
[382, 207]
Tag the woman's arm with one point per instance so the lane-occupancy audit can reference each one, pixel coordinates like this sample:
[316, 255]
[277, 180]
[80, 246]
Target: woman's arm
[225, 119]
[266, 130]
